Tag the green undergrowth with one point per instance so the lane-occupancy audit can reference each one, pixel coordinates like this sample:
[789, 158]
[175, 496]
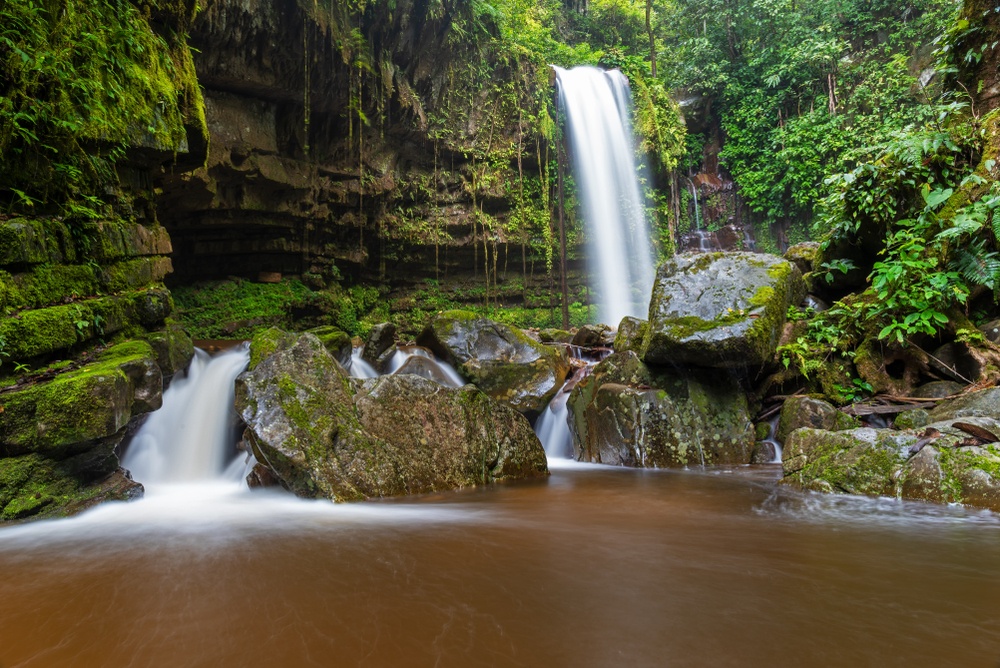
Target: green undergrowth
[236, 309]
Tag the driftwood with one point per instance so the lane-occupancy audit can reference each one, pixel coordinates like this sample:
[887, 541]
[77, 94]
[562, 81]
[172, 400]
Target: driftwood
[859, 409]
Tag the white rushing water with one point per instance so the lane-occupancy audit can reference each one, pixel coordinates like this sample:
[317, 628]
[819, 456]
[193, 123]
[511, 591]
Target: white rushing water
[597, 105]
[190, 439]
[552, 428]
[360, 368]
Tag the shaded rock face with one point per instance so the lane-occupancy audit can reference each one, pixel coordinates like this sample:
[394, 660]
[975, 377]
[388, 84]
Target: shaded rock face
[295, 183]
[502, 361]
[722, 310]
[396, 435]
[380, 346]
[626, 414]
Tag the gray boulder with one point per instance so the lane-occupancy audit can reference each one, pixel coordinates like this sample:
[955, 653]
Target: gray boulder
[720, 309]
[626, 414]
[380, 345]
[808, 412]
[502, 361]
[396, 435]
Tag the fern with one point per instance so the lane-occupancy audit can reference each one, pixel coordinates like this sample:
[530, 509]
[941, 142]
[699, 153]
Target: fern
[977, 265]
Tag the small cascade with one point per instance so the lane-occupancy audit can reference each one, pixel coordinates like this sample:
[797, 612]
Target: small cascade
[597, 105]
[552, 427]
[191, 438]
[404, 353]
[360, 368]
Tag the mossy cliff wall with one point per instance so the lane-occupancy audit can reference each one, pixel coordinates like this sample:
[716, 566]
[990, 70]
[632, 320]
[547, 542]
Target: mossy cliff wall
[85, 345]
[98, 100]
[377, 145]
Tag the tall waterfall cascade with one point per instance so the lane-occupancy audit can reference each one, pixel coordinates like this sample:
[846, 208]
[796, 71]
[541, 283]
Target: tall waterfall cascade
[597, 105]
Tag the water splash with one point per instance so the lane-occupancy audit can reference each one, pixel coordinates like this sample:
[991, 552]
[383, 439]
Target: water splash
[360, 368]
[597, 106]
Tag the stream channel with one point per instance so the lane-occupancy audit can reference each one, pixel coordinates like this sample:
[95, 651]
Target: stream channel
[595, 566]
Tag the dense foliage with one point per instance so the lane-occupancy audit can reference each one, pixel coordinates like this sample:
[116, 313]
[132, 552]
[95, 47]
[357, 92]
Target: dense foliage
[79, 82]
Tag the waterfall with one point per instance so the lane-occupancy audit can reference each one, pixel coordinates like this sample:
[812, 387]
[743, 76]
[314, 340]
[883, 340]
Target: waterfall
[697, 211]
[190, 439]
[552, 428]
[360, 368]
[597, 105]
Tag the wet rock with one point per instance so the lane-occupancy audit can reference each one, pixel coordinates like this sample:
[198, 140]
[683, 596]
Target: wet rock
[429, 369]
[173, 348]
[627, 414]
[380, 346]
[261, 477]
[631, 332]
[938, 389]
[593, 336]
[502, 361]
[337, 342]
[923, 477]
[764, 452]
[400, 434]
[808, 412]
[35, 486]
[720, 309]
[858, 461]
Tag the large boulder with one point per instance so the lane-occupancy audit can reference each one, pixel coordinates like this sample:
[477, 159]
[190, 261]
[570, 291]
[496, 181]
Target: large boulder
[396, 435]
[502, 361]
[627, 414]
[720, 309]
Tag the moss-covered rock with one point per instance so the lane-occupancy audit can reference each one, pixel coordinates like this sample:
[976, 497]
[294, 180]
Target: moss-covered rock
[33, 486]
[627, 414]
[857, 461]
[915, 418]
[809, 412]
[984, 403]
[399, 435]
[553, 335]
[502, 361]
[173, 348]
[134, 274]
[631, 332]
[804, 256]
[720, 309]
[336, 341]
[27, 241]
[69, 413]
[45, 331]
[45, 285]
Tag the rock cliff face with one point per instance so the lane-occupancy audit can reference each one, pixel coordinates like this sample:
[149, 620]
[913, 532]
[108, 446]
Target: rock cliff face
[340, 153]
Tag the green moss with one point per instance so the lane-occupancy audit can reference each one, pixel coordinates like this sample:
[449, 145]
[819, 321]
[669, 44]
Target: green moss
[239, 309]
[66, 414]
[265, 344]
[27, 241]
